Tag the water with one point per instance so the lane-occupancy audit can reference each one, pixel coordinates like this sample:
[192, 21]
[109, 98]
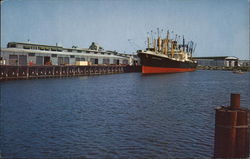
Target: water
[116, 116]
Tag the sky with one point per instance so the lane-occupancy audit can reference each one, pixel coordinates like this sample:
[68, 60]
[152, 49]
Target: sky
[219, 27]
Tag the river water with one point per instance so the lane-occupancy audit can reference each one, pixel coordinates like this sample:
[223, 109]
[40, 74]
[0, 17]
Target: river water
[116, 116]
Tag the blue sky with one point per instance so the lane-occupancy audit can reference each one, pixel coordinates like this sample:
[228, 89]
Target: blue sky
[219, 27]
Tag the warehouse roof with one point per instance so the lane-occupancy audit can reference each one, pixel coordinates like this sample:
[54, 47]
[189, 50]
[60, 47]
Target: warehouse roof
[217, 58]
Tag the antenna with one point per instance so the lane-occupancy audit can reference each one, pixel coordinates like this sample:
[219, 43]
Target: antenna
[194, 47]
[183, 43]
[175, 37]
[152, 39]
[170, 35]
[158, 32]
[148, 40]
[191, 44]
[178, 39]
[133, 44]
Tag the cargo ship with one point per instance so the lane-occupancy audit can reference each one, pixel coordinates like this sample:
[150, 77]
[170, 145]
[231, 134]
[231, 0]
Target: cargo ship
[167, 55]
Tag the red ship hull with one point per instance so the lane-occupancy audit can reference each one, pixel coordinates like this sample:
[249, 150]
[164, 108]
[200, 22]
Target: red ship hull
[156, 70]
[152, 64]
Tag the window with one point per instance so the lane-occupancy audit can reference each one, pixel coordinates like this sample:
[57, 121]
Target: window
[69, 50]
[53, 49]
[26, 47]
[34, 47]
[80, 59]
[11, 45]
[22, 60]
[54, 55]
[94, 61]
[105, 61]
[31, 54]
[125, 62]
[39, 60]
[13, 60]
[66, 60]
[41, 48]
[79, 51]
[72, 56]
[116, 61]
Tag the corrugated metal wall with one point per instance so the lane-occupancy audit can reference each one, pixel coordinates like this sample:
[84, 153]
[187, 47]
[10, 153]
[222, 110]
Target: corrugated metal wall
[22, 60]
[39, 60]
[13, 60]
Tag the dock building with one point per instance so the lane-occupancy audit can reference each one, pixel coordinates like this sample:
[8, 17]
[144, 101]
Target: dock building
[244, 63]
[28, 54]
[221, 61]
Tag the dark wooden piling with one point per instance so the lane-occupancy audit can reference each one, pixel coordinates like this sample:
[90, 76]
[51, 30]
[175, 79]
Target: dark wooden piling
[33, 72]
[231, 130]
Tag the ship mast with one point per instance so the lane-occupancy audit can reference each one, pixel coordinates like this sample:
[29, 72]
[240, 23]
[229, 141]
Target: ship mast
[167, 41]
[183, 45]
[172, 48]
[154, 45]
[152, 39]
[148, 40]
[158, 41]
[164, 49]
[162, 43]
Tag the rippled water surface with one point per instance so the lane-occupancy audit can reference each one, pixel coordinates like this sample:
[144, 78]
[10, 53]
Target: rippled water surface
[116, 116]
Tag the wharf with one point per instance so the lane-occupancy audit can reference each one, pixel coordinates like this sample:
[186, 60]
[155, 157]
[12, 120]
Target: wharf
[245, 69]
[35, 72]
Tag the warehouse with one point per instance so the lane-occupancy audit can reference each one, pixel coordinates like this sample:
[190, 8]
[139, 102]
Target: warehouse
[223, 61]
[23, 54]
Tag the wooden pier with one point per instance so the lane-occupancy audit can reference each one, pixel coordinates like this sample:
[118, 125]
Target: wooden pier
[33, 72]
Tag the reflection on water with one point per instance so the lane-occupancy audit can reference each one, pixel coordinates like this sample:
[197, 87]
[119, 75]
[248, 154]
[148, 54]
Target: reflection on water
[116, 116]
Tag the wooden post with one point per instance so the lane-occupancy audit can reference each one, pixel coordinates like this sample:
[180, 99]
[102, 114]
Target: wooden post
[28, 72]
[231, 130]
[6, 73]
[74, 73]
[17, 72]
[53, 71]
[60, 71]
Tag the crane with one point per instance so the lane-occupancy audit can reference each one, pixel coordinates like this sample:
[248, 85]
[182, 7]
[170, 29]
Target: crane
[133, 44]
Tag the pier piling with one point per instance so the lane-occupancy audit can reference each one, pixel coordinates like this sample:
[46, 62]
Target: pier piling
[231, 130]
[31, 72]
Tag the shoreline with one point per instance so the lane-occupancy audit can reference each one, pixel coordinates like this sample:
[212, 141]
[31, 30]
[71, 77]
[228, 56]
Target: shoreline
[223, 68]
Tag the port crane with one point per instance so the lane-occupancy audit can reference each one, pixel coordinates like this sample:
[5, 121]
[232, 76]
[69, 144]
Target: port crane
[134, 45]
